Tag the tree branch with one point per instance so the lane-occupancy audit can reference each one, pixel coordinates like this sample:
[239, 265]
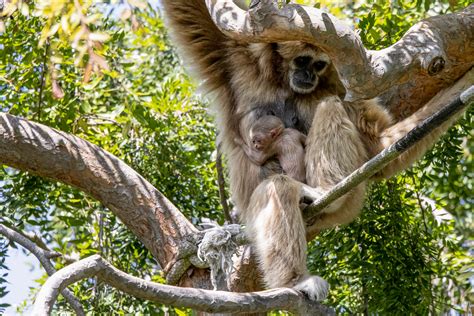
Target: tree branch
[43, 256]
[203, 300]
[53, 154]
[370, 168]
[438, 47]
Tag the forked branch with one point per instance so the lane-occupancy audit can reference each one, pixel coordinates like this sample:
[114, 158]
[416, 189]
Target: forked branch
[429, 48]
[66, 158]
[43, 257]
[203, 300]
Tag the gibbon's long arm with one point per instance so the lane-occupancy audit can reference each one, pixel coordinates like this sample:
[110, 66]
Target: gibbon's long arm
[449, 38]
[394, 151]
[198, 38]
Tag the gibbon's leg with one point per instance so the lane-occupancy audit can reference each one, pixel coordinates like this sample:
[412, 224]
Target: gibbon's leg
[275, 225]
[400, 129]
[334, 149]
[244, 178]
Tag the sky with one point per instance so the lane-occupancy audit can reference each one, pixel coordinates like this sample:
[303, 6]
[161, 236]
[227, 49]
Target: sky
[23, 271]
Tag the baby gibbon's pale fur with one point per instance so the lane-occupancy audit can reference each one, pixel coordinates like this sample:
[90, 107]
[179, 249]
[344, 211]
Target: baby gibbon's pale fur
[268, 138]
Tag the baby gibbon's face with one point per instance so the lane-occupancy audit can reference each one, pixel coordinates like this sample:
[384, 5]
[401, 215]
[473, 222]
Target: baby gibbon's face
[306, 65]
[265, 130]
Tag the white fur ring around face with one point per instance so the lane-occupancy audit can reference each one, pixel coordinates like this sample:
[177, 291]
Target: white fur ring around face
[315, 287]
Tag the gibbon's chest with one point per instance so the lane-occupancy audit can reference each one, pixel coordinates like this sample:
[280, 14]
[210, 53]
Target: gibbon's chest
[368, 117]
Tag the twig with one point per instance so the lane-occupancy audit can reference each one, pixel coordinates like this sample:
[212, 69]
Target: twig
[33, 237]
[43, 257]
[197, 299]
[221, 184]
[389, 154]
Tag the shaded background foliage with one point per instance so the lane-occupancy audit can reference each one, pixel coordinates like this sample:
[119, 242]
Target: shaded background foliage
[113, 78]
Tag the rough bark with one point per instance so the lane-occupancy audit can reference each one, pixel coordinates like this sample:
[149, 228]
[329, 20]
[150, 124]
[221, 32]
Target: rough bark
[430, 56]
[142, 208]
[203, 300]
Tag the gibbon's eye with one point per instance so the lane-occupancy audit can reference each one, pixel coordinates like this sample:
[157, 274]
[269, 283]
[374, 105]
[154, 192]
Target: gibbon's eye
[302, 61]
[270, 112]
[320, 65]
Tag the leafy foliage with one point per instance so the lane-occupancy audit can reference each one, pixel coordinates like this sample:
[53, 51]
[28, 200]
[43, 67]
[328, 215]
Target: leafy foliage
[108, 73]
[3, 288]
[140, 108]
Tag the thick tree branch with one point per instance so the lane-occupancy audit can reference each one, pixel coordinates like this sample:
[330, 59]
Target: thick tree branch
[50, 153]
[370, 168]
[203, 300]
[439, 46]
[171, 239]
[43, 257]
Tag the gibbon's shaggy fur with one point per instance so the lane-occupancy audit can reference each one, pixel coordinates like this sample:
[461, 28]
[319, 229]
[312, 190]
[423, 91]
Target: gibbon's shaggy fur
[268, 137]
[341, 135]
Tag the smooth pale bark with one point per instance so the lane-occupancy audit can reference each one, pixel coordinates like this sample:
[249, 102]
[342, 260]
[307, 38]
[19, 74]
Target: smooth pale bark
[430, 56]
[197, 299]
[43, 257]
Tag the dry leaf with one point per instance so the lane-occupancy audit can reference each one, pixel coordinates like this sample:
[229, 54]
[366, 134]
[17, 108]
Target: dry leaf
[138, 3]
[87, 72]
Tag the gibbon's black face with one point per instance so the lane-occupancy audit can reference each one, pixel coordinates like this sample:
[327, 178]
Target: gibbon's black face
[304, 64]
[306, 70]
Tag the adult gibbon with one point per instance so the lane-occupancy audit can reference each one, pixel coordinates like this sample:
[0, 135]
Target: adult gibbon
[341, 136]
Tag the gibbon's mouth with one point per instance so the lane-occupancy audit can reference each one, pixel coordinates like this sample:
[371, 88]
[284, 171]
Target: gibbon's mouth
[301, 86]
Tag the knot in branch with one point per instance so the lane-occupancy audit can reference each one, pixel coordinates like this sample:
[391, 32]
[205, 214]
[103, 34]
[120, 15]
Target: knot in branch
[436, 66]
[259, 10]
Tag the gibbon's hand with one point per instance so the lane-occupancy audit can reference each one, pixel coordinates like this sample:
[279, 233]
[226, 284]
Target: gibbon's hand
[256, 157]
[309, 194]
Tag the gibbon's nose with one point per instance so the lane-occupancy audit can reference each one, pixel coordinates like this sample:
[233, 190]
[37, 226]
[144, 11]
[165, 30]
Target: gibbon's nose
[310, 75]
[306, 76]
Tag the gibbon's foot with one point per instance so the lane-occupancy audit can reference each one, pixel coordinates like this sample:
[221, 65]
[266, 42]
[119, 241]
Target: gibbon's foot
[313, 286]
